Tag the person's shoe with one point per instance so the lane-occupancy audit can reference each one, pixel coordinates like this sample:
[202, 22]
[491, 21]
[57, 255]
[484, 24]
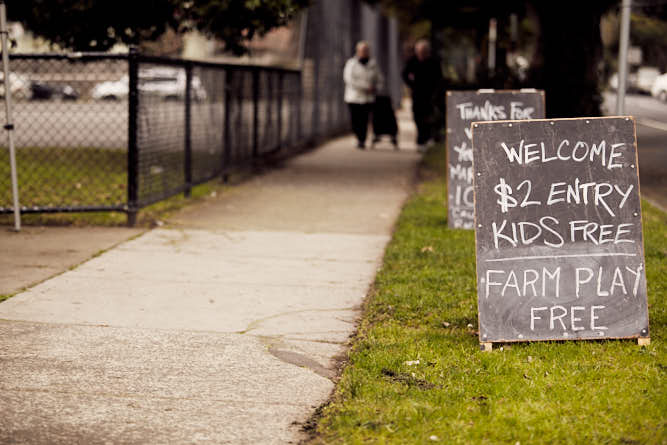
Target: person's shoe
[421, 148]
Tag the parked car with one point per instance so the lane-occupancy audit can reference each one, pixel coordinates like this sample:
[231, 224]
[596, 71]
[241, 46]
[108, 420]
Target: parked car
[659, 88]
[169, 84]
[112, 90]
[45, 91]
[639, 81]
[631, 85]
[646, 75]
[19, 86]
[166, 83]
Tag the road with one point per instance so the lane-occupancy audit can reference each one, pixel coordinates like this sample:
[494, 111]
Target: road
[651, 116]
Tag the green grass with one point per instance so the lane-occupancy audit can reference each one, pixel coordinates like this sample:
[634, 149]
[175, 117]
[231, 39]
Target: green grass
[423, 307]
[56, 176]
[66, 176]
[82, 177]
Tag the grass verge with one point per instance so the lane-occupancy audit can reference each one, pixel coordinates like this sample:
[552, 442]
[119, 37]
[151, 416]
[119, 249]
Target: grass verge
[55, 176]
[423, 307]
[147, 216]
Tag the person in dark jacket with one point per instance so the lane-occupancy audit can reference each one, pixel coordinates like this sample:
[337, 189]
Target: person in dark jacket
[422, 73]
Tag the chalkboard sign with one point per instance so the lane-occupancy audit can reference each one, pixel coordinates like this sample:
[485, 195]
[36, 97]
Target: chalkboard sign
[463, 108]
[558, 230]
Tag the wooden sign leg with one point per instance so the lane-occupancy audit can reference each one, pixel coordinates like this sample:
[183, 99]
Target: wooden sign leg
[644, 341]
[486, 346]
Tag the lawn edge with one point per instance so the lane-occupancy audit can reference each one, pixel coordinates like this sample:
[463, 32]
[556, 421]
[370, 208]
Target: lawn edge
[362, 326]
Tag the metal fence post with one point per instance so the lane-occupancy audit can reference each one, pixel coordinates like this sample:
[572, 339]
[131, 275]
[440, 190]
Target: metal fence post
[132, 143]
[9, 126]
[227, 137]
[187, 164]
[280, 110]
[268, 100]
[299, 107]
[315, 124]
[255, 112]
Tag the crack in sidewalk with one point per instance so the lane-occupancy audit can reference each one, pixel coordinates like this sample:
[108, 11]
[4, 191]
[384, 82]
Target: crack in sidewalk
[257, 323]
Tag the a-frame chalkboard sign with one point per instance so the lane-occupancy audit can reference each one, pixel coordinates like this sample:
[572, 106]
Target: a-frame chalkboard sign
[463, 108]
[558, 230]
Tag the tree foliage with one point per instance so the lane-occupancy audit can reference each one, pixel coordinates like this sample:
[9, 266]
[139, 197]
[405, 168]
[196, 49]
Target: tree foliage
[97, 25]
[234, 22]
[567, 42]
[650, 34]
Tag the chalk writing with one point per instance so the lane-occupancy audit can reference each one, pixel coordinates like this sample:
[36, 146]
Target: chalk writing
[463, 108]
[578, 151]
[558, 230]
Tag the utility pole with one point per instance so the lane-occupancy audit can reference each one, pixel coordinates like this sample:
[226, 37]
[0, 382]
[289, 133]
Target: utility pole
[624, 43]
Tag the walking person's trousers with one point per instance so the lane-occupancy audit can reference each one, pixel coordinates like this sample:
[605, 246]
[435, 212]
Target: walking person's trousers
[359, 114]
[423, 116]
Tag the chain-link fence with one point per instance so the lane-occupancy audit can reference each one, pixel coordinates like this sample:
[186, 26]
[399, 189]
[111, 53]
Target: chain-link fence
[117, 132]
[71, 145]
[196, 121]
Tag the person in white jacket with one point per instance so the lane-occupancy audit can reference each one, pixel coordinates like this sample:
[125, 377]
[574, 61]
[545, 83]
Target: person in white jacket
[362, 81]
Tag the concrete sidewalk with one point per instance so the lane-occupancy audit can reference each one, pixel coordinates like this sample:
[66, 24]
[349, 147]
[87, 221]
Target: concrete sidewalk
[37, 253]
[223, 327]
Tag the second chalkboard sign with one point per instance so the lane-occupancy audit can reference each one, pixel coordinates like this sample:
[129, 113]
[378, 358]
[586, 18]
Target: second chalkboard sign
[463, 108]
[558, 230]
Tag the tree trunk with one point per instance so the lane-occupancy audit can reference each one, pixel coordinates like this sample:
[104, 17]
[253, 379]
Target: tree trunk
[568, 56]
